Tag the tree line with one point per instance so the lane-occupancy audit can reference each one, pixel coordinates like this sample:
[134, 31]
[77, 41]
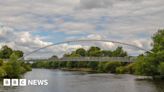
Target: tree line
[148, 64]
[86, 65]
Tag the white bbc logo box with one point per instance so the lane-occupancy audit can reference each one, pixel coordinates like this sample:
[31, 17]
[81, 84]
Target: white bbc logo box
[14, 82]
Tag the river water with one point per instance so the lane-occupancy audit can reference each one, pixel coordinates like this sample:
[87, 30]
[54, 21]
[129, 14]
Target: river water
[64, 81]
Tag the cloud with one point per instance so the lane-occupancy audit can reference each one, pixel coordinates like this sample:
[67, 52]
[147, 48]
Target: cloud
[21, 40]
[77, 28]
[26, 42]
[30, 22]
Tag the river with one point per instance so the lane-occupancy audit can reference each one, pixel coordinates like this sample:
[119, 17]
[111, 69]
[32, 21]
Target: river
[64, 81]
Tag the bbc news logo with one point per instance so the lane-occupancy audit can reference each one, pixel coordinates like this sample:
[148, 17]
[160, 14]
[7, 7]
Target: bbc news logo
[24, 82]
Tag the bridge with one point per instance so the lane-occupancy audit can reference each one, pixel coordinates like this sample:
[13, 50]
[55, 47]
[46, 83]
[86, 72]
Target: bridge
[121, 59]
[90, 59]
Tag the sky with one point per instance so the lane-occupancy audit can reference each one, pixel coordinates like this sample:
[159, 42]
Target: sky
[30, 24]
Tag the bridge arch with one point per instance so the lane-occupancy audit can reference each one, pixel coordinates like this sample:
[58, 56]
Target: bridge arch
[90, 40]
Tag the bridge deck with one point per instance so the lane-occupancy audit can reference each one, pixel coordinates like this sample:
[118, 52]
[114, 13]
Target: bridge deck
[108, 59]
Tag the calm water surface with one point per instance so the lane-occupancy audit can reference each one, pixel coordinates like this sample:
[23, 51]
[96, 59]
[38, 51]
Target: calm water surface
[62, 81]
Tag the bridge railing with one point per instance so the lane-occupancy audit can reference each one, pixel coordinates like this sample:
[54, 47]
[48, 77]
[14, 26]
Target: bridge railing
[121, 59]
[97, 59]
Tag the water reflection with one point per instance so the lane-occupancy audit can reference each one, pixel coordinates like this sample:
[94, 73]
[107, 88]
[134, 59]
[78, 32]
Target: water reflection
[62, 81]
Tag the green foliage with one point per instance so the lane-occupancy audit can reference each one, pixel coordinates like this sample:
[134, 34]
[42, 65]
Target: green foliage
[111, 66]
[150, 63]
[94, 51]
[2, 72]
[74, 54]
[101, 66]
[93, 65]
[119, 52]
[81, 52]
[83, 64]
[121, 70]
[70, 64]
[27, 67]
[145, 66]
[18, 53]
[130, 68]
[158, 41]
[5, 52]
[106, 53]
[161, 68]
[54, 64]
[1, 62]
[14, 68]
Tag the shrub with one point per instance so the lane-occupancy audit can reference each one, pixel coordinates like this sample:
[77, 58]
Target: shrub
[121, 70]
[2, 73]
[70, 64]
[1, 62]
[145, 67]
[93, 65]
[22, 70]
[130, 68]
[111, 66]
[101, 66]
[9, 70]
[161, 68]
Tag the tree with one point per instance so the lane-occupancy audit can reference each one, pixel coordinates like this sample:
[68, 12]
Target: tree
[74, 54]
[106, 53]
[158, 41]
[18, 53]
[94, 51]
[151, 63]
[13, 67]
[119, 52]
[145, 66]
[81, 52]
[6, 52]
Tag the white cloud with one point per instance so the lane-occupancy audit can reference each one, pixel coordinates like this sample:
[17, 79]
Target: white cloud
[21, 39]
[132, 21]
[27, 43]
[77, 28]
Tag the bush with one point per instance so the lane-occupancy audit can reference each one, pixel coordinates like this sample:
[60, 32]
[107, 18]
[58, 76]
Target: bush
[161, 68]
[69, 64]
[13, 67]
[93, 65]
[2, 73]
[145, 66]
[1, 62]
[22, 70]
[111, 66]
[9, 70]
[121, 70]
[101, 66]
[130, 68]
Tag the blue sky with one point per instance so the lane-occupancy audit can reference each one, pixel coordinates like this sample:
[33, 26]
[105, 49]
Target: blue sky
[31, 24]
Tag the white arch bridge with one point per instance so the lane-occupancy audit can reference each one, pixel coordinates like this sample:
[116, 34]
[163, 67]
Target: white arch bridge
[122, 59]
